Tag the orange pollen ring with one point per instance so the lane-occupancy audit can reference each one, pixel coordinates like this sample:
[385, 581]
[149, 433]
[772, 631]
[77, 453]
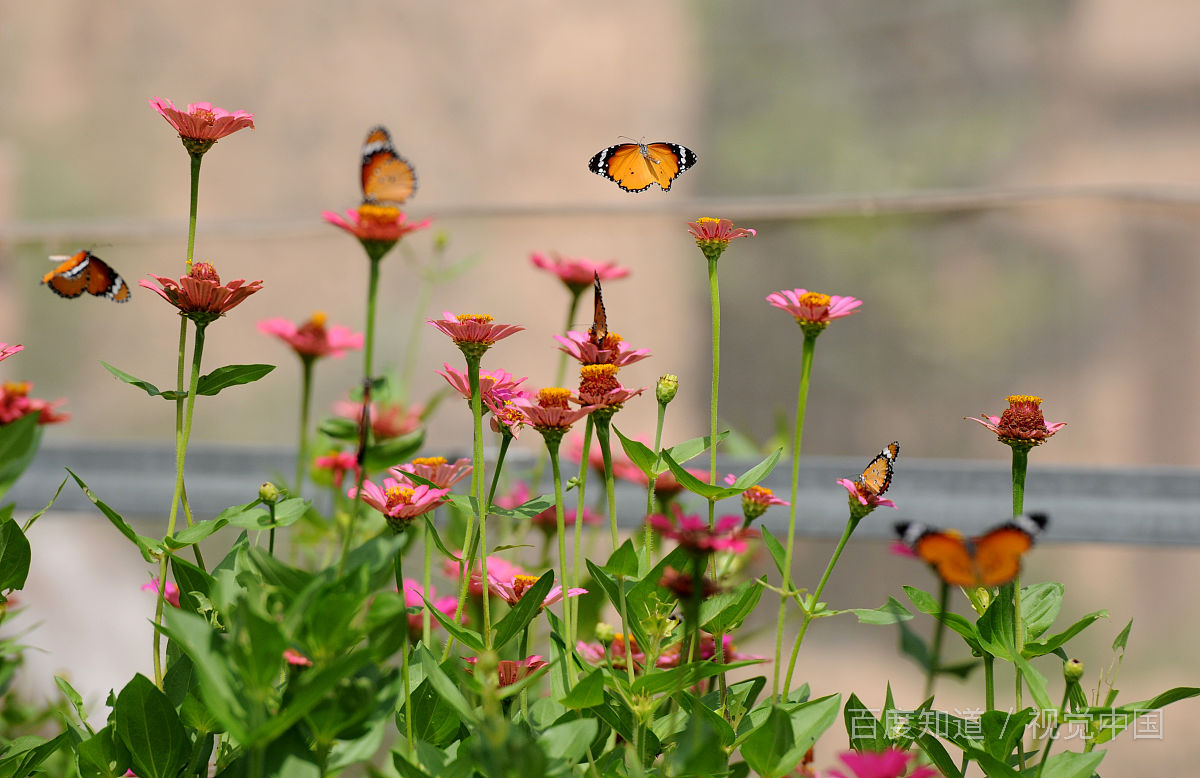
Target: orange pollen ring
[814, 298]
[399, 495]
[378, 214]
[553, 397]
[594, 372]
[432, 461]
[208, 117]
[1024, 398]
[478, 318]
[522, 584]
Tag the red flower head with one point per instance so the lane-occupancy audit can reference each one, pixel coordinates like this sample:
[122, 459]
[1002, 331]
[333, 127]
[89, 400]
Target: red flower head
[200, 296]
[7, 351]
[612, 351]
[550, 414]
[202, 125]
[863, 501]
[15, 403]
[473, 333]
[507, 418]
[377, 227]
[510, 671]
[495, 386]
[338, 463]
[812, 310]
[1022, 424]
[694, 534]
[577, 273]
[312, 340]
[713, 235]
[399, 502]
[598, 386]
[892, 763]
[755, 500]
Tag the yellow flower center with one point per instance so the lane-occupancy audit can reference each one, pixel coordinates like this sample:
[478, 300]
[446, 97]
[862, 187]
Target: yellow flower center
[597, 372]
[16, 388]
[1024, 398]
[431, 461]
[814, 299]
[522, 584]
[399, 495]
[378, 214]
[479, 318]
[707, 219]
[204, 271]
[208, 117]
[318, 319]
[553, 397]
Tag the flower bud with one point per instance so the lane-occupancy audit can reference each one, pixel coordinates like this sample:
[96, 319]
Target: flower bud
[1073, 671]
[605, 632]
[666, 388]
[268, 493]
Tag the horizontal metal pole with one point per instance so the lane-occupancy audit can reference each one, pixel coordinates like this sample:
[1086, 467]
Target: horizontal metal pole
[1113, 505]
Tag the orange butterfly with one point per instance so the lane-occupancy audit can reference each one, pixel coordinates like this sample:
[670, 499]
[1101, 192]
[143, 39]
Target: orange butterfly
[991, 559]
[635, 167]
[387, 177]
[86, 272]
[599, 329]
[877, 476]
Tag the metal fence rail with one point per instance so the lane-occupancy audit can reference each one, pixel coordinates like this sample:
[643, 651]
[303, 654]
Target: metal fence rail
[1112, 505]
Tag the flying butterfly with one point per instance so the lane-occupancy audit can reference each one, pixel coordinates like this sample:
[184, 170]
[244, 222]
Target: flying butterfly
[86, 272]
[387, 177]
[635, 167]
[991, 559]
[877, 475]
[599, 329]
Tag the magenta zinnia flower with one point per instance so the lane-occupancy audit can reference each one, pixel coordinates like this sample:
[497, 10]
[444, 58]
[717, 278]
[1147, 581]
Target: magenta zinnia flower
[15, 403]
[892, 763]
[613, 350]
[511, 671]
[614, 652]
[865, 499]
[512, 588]
[436, 470]
[338, 463]
[399, 502]
[713, 235]
[388, 419]
[7, 351]
[202, 125]
[200, 296]
[497, 566]
[577, 273]
[755, 500]
[812, 310]
[295, 658]
[495, 386]
[375, 223]
[507, 418]
[474, 333]
[171, 595]
[550, 411]
[412, 599]
[694, 534]
[1021, 424]
[312, 339]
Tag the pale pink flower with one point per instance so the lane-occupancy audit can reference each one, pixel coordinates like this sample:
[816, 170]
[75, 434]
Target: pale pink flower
[813, 308]
[474, 328]
[295, 658]
[171, 595]
[495, 386]
[512, 588]
[615, 351]
[7, 351]
[865, 498]
[313, 339]
[412, 599]
[338, 463]
[598, 386]
[755, 500]
[577, 273]
[15, 403]
[436, 470]
[497, 566]
[694, 534]
[719, 230]
[202, 121]
[550, 411]
[388, 419]
[399, 502]
[199, 295]
[375, 223]
[1022, 423]
[511, 671]
[892, 763]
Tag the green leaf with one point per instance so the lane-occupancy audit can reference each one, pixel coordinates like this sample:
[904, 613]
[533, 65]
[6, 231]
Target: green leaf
[1107, 723]
[639, 453]
[1053, 642]
[1040, 605]
[29, 522]
[569, 740]
[230, 375]
[103, 755]
[1035, 681]
[149, 727]
[1001, 730]
[891, 612]
[766, 746]
[18, 445]
[437, 540]
[145, 386]
[715, 492]
[624, 561]
[525, 611]
[727, 610]
[776, 550]
[14, 556]
[928, 604]
[144, 544]
[1072, 764]
[588, 693]
[446, 688]
[865, 732]
[698, 750]
[692, 448]
[74, 698]
[468, 637]
[219, 689]
[938, 755]
[193, 534]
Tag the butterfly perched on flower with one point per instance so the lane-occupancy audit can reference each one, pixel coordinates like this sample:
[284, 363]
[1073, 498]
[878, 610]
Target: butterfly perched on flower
[877, 475]
[86, 272]
[387, 178]
[599, 329]
[635, 167]
[991, 559]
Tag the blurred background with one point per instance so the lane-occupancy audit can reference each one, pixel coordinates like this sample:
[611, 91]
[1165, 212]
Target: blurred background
[1010, 188]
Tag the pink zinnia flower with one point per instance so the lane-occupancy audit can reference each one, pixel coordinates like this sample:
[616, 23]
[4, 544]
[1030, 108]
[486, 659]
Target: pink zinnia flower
[1022, 423]
[812, 310]
[388, 419]
[398, 501]
[511, 671]
[550, 411]
[614, 652]
[495, 386]
[512, 588]
[312, 339]
[864, 498]
[713, 235]
[7, 351]
[199, 295]
[171, 595]
[436, 470]
[295, 658]
[612, 351]
[202, 125]
[577, 273]
[708, 650]
[598, 386]
[412, 599]
[15, 403]
[507, 418]
[338, 463]
[474, 333]
[694, 534]
[755, 500]
[497, 566]
[892, 763]
[375, 224]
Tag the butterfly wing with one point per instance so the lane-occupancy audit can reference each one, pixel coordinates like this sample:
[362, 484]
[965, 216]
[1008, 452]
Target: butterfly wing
[998, 552]
[599, 328]
[103, 281]
[70, 277]
[949, 556]
[635, 167]
[667, 161]
[877, 476]
[387, 177]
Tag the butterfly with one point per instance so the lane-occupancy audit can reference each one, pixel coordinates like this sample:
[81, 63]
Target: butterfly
[599, 329]
[86, 272]
[877, 476]
[990, 559]
[387, 177]
[635, 167]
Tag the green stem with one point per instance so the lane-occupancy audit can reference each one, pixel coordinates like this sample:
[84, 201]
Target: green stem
[195, 197]
[560, 519]
[603, 427]
[305, 410]
[806, 362]
[935, 651]
[581, 489]
[815, 598]
[1062, 712]
[369, 334]
[427, 586]
[477, 481]
[180, 459]
[271, 535]
[408, 729]
[715, 296]
[662, 415]
[989, 681]
[1020, 464]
